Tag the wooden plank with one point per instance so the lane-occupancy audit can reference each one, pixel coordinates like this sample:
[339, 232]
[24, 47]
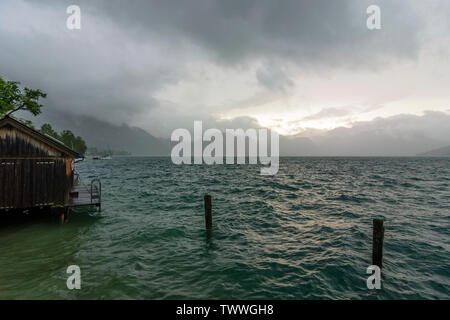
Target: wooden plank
[84, 196]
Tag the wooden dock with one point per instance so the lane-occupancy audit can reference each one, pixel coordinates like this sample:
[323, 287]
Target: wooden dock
[81, 195]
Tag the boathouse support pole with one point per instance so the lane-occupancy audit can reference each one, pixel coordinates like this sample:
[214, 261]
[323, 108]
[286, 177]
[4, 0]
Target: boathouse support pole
[208, 212]
[63, 215]
[377, 242]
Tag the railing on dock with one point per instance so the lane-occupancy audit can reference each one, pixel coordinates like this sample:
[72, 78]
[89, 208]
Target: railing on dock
[97, 185]
[82, 195]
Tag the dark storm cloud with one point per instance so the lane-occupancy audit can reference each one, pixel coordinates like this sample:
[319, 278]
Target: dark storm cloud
[274, 78]
[89, 71]
[109, 68]
[318, 32]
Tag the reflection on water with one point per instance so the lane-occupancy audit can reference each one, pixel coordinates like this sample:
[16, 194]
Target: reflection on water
[37, 249]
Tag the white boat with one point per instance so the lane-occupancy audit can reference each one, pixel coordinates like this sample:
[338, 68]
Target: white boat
[101, 158]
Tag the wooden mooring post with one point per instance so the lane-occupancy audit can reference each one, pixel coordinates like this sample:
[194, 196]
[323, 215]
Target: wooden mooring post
[208, 213]
[377, 242]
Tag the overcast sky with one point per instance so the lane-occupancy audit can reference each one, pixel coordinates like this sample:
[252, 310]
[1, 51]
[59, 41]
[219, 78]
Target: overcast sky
[290, 65]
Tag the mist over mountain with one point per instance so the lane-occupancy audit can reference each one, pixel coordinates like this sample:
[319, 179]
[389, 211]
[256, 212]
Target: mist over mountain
[402, 135]
[445, 151]
[104, 135]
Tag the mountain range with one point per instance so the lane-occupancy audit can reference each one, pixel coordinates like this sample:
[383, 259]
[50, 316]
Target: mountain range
[402, 135]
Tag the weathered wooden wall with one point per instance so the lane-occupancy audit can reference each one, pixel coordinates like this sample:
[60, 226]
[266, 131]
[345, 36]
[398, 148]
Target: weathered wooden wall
[28, 183]
[14, 143]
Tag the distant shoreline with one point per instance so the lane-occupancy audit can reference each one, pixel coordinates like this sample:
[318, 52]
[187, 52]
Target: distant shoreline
[381, 156]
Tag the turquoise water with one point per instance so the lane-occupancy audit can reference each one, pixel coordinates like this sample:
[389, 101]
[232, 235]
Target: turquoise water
[305, 233]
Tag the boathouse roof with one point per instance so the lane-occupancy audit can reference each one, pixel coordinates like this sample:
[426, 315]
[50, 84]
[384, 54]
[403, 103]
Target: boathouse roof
[51, 142]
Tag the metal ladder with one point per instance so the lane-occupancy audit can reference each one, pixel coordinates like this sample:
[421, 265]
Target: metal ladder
[96, 185]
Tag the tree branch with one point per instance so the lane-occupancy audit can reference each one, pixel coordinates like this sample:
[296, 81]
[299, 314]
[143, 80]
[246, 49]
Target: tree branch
[16, 109]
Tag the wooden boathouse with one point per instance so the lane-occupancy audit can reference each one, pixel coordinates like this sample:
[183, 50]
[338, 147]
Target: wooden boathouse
[38, 171]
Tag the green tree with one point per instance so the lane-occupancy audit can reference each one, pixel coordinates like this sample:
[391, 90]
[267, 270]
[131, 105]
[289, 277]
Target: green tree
[47, 129]
[67, 137]
[13, 98]
[80, 145]
[75, 143]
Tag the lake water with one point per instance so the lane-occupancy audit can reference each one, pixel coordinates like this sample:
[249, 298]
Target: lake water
[305, 233]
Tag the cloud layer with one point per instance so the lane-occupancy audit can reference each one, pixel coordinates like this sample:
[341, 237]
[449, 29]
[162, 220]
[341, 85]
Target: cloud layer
[291, 65]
